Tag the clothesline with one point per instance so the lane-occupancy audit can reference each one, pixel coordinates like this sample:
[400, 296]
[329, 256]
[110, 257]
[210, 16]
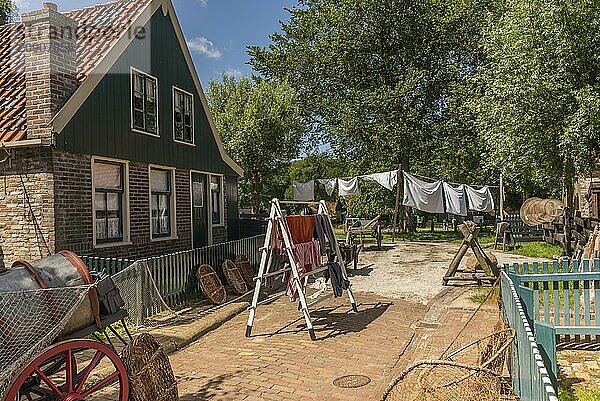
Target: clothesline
[454, 183]
[432, 197]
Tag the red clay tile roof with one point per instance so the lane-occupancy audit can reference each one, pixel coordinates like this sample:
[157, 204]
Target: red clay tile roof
[99, 29]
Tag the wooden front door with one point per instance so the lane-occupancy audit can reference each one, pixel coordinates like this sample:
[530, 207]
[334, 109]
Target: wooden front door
[200, 209]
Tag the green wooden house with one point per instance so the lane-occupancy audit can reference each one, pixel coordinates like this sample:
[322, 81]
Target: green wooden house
[107, 144]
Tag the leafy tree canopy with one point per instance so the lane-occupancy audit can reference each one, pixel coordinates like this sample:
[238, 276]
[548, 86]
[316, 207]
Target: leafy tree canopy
[8, 11]
[385, 82]
[261, 128]
[538, 103]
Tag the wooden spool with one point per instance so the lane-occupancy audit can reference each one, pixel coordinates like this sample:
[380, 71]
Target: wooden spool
[234, 277]
[241, 261]
[211, 285]
[473, 263]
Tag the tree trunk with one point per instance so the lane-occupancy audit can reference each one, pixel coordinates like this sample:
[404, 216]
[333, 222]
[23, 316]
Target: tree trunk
[255, 193]
[407, 221]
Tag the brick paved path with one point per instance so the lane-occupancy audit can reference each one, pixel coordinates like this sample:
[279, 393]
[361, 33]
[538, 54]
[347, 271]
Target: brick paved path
[281, 363]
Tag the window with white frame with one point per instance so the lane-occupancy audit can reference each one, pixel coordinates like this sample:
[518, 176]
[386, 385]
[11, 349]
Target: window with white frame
[161, 202]
[216, 196]
[109, 201]
[144, 102]
[183, 115]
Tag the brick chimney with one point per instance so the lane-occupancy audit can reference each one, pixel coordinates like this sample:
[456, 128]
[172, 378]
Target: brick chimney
[50, 66]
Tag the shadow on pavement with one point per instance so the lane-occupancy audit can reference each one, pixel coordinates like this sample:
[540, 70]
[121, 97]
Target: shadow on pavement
[363, 271]
[211, 389]
[339, 323]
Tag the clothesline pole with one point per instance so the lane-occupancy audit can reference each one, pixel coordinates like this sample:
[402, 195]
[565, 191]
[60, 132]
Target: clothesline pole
[501, 197]
[399, 181]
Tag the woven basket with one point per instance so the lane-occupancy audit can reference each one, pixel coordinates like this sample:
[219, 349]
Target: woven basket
[149, 370]
[211, 285]
[234, 277]
[244, 266]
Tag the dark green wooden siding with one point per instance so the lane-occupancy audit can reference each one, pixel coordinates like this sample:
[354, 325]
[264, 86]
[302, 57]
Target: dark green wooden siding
[102, 126]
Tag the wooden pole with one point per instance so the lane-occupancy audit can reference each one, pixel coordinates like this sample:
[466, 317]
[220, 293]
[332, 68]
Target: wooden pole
[399, 182]
[501, 197]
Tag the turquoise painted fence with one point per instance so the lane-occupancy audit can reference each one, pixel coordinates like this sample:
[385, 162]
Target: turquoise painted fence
[175, 273]
[530, 378]
[560, 300]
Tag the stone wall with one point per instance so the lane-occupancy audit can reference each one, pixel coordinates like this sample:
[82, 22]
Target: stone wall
[26, 205]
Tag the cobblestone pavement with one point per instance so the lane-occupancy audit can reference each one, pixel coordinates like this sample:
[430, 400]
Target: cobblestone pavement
[280, 362]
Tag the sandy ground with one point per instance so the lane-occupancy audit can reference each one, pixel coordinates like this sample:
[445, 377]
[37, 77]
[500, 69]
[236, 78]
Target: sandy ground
[410, 270]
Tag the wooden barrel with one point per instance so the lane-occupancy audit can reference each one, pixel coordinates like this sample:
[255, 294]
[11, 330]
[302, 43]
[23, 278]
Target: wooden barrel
[64, 269]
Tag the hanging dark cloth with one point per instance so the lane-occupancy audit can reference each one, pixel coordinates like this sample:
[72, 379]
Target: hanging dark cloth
[338, 282]
[327, 244]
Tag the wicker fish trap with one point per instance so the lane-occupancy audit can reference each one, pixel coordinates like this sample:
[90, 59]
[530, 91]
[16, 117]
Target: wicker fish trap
[471, 373]
[445, 381]
[149, 370]
[243, 264]
[234, 277]
[211, 285]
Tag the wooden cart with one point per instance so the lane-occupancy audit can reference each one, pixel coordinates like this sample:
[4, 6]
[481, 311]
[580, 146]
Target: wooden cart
[361, 228]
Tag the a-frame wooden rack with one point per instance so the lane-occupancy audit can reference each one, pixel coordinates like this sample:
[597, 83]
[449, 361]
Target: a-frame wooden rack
[276, 217]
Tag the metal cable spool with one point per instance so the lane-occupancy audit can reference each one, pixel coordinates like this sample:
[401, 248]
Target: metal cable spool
[64, 269]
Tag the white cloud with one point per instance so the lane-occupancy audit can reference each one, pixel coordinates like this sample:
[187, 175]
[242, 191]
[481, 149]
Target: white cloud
[23, 5]
[203, 46]
[234, 72]
[203, 3]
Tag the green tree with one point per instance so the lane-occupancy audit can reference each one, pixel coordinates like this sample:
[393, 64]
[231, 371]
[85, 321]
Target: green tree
[376, 79]
[539, 103]
[539, 106]
[8, 11]
[261, 128]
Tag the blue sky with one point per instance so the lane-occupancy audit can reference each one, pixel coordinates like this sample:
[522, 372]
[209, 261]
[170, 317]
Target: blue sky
[217, 31]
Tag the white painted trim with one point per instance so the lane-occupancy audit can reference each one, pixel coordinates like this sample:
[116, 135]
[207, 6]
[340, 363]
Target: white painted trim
[208, 211]
[132, 69]
[25, 143]
[173, 216]
[66, 113]
[126, 215]
[222, 192]
[193, 143]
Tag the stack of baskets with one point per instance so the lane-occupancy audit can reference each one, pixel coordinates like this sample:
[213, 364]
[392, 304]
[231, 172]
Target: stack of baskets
[239, 276]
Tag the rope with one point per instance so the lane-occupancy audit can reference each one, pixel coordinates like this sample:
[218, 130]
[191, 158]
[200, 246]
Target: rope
[487, 297]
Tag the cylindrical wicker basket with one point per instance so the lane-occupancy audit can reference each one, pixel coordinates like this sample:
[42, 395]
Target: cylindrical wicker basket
[149, 370]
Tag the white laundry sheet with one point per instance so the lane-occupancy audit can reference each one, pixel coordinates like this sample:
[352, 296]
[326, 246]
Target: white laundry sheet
[424, 196]
[480, 200]
[388, 180]
[350, 187]
[456, 199]
[329, 184]
[304, 191]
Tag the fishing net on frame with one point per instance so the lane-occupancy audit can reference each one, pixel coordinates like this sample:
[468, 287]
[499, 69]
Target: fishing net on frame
[30, 321]
[474, 371]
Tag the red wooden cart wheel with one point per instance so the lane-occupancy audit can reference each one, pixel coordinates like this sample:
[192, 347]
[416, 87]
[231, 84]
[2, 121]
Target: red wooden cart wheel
[74, 384]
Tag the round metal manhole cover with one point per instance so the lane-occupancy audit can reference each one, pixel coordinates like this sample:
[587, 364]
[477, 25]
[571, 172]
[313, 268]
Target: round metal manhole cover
[351, 381]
